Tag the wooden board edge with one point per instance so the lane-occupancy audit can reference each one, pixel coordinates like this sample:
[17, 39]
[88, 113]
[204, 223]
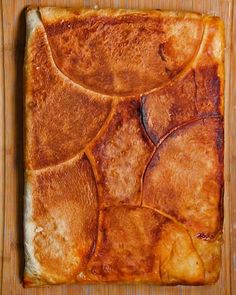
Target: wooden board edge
[228, 151]
[2, 146]
[232, 124]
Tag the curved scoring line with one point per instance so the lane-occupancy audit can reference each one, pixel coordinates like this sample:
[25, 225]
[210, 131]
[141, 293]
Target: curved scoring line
[185, 69]
[80, 153]
[94, 246]
[166, 136]
[130, 206]
[124, 206]
[180, 74]
[107, 96]
[188, 232]
[53, 63]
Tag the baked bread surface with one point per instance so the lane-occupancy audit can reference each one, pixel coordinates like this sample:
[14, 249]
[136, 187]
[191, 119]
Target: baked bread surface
[124, 146]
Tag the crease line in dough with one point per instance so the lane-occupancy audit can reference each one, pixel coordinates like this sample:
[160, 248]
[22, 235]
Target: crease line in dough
[88, 155]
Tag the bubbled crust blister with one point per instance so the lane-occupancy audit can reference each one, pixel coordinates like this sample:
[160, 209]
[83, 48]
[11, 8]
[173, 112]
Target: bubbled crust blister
[124, 146]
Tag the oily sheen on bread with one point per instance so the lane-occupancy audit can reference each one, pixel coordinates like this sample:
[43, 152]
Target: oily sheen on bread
[124, 146]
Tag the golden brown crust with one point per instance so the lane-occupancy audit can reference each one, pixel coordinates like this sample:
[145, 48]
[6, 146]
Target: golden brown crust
[56, 110]
[119, 156]
[196, 95]
[184, 178]
[65, 213]
[93, 49]
[210, 253]
[179, 260]
[139, 244]
[124, 146]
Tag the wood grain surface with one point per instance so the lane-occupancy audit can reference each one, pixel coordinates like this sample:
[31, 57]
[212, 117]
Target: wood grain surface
[12, 39]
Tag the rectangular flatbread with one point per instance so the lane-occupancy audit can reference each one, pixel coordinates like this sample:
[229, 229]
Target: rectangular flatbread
[124, 146]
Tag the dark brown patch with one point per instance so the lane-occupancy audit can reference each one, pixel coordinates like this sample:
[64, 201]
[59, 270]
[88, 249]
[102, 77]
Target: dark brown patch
[193, 96]
[161, 51]
[204, 236]
[144, 121]
[208, 90]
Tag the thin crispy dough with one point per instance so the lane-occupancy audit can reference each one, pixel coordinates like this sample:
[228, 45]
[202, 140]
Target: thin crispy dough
[124, 146]
[93, 53]
[56, 109]
[119, 156]
[65, 215]
[184, 178]
[197, 93]
[139, 244]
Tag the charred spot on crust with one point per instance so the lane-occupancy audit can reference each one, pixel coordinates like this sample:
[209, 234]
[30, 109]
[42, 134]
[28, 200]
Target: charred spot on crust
[161, 51]
[205, 236]
[144, 121]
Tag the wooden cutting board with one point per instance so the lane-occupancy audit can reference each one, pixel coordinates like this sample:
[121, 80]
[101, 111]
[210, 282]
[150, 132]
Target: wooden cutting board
[12, 39]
